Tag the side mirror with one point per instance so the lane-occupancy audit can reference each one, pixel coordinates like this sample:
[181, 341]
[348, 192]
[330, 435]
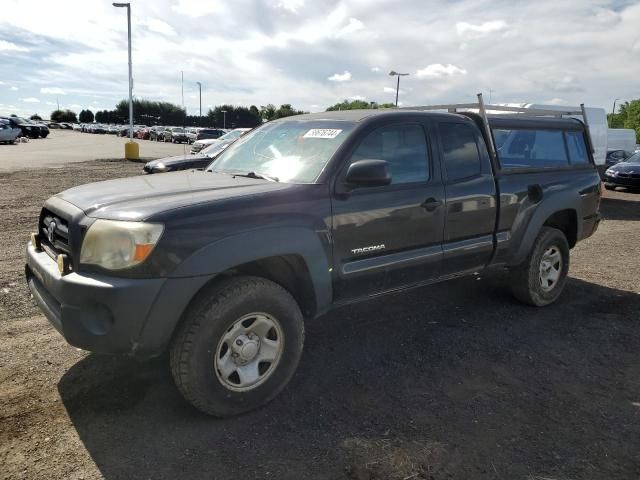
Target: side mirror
[368, 173]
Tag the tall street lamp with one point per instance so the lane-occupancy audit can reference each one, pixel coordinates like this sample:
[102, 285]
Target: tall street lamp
[224, 116]
[200, 90]
[393, 73]
[130, 149]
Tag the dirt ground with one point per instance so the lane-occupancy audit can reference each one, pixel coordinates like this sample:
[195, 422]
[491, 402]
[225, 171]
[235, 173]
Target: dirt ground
[452, 381]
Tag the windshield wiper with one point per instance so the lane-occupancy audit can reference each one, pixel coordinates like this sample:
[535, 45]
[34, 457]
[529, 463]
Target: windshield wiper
[253, 174]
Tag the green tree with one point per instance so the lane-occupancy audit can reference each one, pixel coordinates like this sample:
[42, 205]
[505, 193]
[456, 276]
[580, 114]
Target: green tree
[628, 116]
[86, 116]
[358, 105]
[36, 117]
[268, 112]
[64, 116]
[287, 110]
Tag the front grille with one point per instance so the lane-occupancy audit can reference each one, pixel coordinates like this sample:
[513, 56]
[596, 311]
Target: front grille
[54, 239]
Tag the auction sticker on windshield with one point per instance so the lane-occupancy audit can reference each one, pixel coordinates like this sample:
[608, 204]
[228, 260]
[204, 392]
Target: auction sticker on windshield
[322, 133]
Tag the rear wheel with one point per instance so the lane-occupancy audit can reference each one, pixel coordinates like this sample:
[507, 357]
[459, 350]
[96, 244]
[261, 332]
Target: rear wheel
[238, 347]
[540, 279]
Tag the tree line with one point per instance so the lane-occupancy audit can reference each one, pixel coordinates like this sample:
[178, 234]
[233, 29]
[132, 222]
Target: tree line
[628, 116]
[147, 112]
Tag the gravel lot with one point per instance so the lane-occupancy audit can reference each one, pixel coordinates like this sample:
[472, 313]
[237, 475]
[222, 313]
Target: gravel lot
[453, 381]
[68, 146]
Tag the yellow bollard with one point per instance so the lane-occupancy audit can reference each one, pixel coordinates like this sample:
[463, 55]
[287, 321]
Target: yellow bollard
[131, 151]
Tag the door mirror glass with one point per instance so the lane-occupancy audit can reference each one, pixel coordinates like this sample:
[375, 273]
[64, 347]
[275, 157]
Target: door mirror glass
[368, 173]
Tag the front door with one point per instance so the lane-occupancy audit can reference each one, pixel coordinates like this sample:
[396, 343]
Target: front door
[391, 236]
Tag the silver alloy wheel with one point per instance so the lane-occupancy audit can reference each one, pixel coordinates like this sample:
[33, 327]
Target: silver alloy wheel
[550, 268]
[249, 351]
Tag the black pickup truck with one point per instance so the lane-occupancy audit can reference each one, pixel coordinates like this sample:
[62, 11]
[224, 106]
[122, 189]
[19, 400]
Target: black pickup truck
[221, 267]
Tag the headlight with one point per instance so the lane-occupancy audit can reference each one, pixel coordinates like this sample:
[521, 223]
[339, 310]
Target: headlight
[116, 245]
[612, 173]
[160, 167]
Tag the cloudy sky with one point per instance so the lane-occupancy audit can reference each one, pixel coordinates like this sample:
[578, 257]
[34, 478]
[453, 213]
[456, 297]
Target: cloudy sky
[313, 53]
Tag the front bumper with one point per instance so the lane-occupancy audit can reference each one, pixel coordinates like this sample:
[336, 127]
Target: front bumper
[622, 181]
[107, 314]
[96, 313]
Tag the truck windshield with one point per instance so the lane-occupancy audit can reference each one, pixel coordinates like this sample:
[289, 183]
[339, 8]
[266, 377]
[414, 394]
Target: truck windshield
[289, 150]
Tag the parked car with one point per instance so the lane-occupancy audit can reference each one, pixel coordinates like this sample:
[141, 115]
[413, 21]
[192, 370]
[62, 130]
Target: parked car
[232, 135]
[206, 133]
[8, 134]
[186, 162]
[221, 267]
[623, 174]
[192, 134]
[615, 156]
[175, 135]
[156, 133]
[143, 133]
[27, 127]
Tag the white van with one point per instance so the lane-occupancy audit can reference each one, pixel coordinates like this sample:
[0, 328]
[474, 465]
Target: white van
[621, 139]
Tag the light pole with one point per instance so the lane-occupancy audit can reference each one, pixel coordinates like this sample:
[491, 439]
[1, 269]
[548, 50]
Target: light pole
[132, 152]
[613, 111]
[224, 116]
[200, 91]
[393, 73]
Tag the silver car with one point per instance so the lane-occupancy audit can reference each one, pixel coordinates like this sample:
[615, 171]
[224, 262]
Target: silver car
[8, 134]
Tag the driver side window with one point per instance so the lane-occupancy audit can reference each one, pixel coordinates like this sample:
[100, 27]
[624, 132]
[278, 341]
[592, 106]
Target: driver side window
[403, 147]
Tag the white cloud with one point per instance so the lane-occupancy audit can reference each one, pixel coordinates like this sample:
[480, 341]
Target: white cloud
[75, 106]
[14, 89]
[1, 82]
[353, 26]
[340, 77]
[6, 46]
[436, 70]
[291, 5]
[197, 8]
[464, 28]
[50, 103]
[31, 100]
[53, 91]
[158, 26]
[357, 97]
[375, 69]
[392, 90]
[556, 101]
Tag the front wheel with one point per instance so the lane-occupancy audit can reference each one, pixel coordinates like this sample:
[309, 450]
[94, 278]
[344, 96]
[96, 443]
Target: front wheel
[540, 279]
[238, 347]
[608, 186]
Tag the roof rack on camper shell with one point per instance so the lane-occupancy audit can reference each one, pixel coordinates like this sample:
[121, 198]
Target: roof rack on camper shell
[483, 108]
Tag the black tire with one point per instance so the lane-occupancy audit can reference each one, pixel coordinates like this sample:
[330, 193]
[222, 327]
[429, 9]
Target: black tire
[609, 186]
[208, 319]
[526, 283]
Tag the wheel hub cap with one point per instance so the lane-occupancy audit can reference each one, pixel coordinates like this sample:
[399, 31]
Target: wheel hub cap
[245, 348]
[550, 268]
[249, 351]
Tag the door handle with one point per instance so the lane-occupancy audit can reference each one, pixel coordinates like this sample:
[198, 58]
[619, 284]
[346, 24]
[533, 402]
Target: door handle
[430, 204]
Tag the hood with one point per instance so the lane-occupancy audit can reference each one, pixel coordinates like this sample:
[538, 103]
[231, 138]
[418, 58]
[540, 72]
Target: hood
[138, 198]
[626, 167]
[178, 159]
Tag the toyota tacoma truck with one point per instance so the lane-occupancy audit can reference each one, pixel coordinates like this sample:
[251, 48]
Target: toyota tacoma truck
[222, 267]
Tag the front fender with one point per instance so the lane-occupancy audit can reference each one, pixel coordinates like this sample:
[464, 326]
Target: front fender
[253, 245]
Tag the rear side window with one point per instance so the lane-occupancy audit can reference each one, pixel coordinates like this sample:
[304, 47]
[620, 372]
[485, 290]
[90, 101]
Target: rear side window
[530, 148]
[460, 151]
[577, 148]
[404, 147]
